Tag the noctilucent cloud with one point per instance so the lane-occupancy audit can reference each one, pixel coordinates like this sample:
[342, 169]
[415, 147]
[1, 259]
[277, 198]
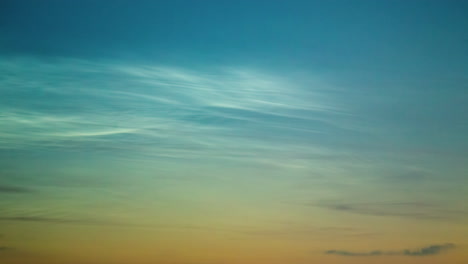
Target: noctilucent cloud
[235, 132]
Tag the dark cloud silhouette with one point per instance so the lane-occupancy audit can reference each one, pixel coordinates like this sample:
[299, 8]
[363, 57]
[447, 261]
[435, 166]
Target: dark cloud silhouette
[425, 251]
[13, 189]
[3, 248]
[349, 253]
[430, 250]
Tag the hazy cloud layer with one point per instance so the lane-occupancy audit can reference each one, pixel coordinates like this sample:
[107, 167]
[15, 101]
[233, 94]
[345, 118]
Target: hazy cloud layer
[425, 251]
[210, 131]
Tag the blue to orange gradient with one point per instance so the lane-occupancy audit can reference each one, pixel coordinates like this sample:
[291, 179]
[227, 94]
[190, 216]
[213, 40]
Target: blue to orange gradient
[249, 132]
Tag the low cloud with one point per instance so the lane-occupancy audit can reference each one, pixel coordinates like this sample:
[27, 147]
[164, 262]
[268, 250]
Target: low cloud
[13, 189]
[425, 251]
[350, 253]
[430, 250]
[416, 210]
[54, 220]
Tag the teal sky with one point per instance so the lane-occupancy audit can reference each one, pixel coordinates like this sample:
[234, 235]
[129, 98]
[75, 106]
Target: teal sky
[233, 132]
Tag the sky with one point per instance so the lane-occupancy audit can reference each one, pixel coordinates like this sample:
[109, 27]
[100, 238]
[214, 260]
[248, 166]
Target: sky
[233, 132]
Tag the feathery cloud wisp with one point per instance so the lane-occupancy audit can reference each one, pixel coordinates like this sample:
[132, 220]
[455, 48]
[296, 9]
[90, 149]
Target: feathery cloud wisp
[236, 113]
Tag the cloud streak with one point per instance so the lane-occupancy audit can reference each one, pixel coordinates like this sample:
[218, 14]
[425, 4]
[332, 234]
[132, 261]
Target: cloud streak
[13, 189]
[416, 210]
[4, 248]
[41, 219]
[425, 251]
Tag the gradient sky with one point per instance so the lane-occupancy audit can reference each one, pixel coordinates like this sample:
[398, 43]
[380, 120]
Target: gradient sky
[233, 132]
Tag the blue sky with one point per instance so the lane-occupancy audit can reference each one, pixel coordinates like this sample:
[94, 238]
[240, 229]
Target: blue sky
[254, 121]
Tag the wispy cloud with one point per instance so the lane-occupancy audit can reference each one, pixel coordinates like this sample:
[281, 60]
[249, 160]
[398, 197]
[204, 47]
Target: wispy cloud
[425, 251]
[230, 113]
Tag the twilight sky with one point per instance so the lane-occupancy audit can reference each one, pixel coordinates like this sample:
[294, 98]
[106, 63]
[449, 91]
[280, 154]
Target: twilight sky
[233, 132]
